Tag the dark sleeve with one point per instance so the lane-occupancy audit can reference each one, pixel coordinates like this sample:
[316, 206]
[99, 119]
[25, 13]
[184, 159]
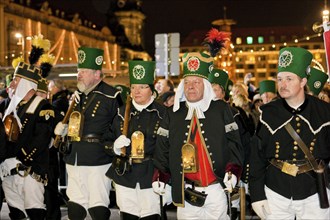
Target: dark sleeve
[235, 163]
[2, 142]
[161, 154]
[258, 165]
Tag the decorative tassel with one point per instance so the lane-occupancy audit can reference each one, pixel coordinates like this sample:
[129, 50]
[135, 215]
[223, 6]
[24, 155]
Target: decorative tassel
[216, 40]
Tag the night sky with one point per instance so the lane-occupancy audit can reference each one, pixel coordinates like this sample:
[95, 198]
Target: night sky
[184, 16]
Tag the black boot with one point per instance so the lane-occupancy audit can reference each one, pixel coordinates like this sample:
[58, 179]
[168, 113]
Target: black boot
[151, 217]
[36, 214]
[76, 211]
[16, 214]
[99, 213]
[127, 216]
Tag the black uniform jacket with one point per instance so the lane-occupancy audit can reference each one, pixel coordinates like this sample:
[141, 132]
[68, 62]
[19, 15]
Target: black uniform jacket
[147, 121]
[221, 137]
[98, 116]
[32, 147]
[312, 123]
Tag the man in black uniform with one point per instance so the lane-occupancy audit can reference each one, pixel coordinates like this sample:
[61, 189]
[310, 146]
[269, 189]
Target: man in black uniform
[27, 164]
[282, 181]
[86, 161]
[198, 145]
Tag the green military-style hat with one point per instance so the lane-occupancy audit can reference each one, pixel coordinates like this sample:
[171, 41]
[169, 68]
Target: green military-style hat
[124, 91]
[267, 86]
[197, 64]
[141, 72]
[42, 85]
[90, 58]
[28, 72]
[295, 60]
[316, 80]
[219, 77]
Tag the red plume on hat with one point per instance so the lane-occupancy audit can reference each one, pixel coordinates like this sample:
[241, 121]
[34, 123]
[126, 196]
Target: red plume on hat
[216, 40]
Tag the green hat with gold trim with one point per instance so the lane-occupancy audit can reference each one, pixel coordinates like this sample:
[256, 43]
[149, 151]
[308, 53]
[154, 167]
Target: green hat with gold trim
[219, 77]
[42, 85]
[197, 64]
[28, 72]
[295, 60]
[141, 72]
[267, 86]
[316, 80]
[90, 58]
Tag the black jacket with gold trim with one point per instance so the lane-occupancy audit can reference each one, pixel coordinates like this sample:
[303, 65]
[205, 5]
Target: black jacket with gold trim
[312, 123]
[98, 117]
[32, 147]
[221, 136]
[147, 121]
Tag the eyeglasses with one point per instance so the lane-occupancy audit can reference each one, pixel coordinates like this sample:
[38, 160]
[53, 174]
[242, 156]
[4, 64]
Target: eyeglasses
[139, 87]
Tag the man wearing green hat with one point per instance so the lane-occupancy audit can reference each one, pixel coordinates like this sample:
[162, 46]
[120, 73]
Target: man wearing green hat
[286, 182]
[316, 81]
[86, 161]
[267, 90]
[134, 193]
[27, 165]
[198, 143]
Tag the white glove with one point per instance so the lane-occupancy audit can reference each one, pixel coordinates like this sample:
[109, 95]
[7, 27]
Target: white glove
[261, 208]
[61, 129]
[230, 181]
[120, 142]
[77, 96]
[159, 187]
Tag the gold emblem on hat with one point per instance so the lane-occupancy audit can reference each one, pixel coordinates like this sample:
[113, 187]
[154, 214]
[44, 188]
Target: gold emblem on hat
[81, 56]
[139, 72]
[99, 60]
[285, 59]
[193, 64]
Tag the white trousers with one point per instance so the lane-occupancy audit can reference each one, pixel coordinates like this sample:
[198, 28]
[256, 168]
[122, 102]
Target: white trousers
[283, 208]
[215, 206]
[138, 202]
[88, 185]
[23, 192]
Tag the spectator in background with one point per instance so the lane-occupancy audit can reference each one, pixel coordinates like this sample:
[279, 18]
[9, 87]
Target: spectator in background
[162, 86]
[255, 111]
[168, 98]
[267, 90]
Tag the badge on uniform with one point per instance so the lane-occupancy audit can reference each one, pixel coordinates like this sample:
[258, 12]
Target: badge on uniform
[189, 158]
[75, 126]
[47, 114]
[290, 169]
[137, 145]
